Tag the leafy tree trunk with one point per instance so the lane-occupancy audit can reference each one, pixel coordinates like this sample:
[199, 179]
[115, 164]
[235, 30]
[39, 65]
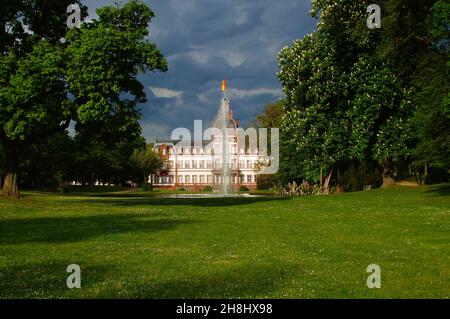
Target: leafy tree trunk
[10, 188]
[388, 174]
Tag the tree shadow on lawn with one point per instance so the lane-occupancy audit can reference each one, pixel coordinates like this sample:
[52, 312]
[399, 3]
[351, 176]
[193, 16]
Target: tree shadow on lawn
[239, 281]
[439, 190]
[74, 229]
[48, 280]
[198, 202]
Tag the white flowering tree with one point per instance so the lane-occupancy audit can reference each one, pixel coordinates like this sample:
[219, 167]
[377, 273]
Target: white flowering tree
[344, 105]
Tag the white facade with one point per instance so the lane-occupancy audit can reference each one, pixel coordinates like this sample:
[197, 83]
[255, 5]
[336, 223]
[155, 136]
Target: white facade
[194, 166]
[190, 166]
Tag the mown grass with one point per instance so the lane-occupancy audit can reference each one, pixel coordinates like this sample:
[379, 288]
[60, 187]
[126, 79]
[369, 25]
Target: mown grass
[135, 245]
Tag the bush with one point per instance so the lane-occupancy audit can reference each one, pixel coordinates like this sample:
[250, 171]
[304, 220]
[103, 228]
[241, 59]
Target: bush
[356, 176]
[147, 187]
[181, 189]
[243, 189]
[265, 182]
[207, 189]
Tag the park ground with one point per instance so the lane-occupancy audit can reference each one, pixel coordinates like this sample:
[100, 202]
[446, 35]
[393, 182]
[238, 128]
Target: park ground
[135, 245]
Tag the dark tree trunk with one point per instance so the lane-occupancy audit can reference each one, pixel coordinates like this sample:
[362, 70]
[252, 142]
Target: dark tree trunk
[388, 174]
[420, 180]
[321, 180]
[10, 188]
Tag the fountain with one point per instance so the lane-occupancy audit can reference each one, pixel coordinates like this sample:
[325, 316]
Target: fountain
[222, 123]
[224, 141]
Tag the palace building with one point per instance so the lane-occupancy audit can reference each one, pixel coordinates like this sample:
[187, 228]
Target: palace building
[196, 165]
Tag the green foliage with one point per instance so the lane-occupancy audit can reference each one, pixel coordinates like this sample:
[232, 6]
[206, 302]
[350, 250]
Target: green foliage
[104, 151]
[271, 117]
[433, 139]
[439, 20]
[378, 114]
[147, 187]
[32, 92]
[52, 75]
[207, 189]
[50, 162]
[431, 121]
[146, 161]
[402, 38]
[314, 87]
[43, 20]
[104, 58]
[350, 92]
[265, 182]
[243, 188]
[86, 158]
[356, 175]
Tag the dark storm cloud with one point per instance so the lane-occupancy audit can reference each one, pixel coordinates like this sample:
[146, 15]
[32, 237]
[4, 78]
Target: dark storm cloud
[208, 40]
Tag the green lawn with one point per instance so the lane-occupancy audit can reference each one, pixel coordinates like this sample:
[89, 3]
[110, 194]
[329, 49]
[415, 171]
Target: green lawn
[133, 245]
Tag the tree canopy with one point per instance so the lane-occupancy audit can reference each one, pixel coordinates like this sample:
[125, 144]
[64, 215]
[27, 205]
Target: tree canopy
[352, 92]
[146, 161]
[51, 76]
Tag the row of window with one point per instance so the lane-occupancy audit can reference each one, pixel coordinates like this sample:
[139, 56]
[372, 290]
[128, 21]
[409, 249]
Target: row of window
[217, 150]
[203, 179]
[209, 164]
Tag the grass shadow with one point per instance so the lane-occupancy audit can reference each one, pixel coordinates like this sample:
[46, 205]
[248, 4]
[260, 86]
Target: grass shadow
[74, 229]
[243, 281]
[440, 189]
[199, 202]
[48, 280]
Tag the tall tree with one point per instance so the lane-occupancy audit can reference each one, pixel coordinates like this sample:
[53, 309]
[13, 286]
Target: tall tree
[50, 76]
[348, 88]
[49, 162]
[431, 81]
[271, 117]
[103, 154]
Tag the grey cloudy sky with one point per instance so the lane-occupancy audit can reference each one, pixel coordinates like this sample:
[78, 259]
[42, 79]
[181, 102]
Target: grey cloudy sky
[206, 41]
